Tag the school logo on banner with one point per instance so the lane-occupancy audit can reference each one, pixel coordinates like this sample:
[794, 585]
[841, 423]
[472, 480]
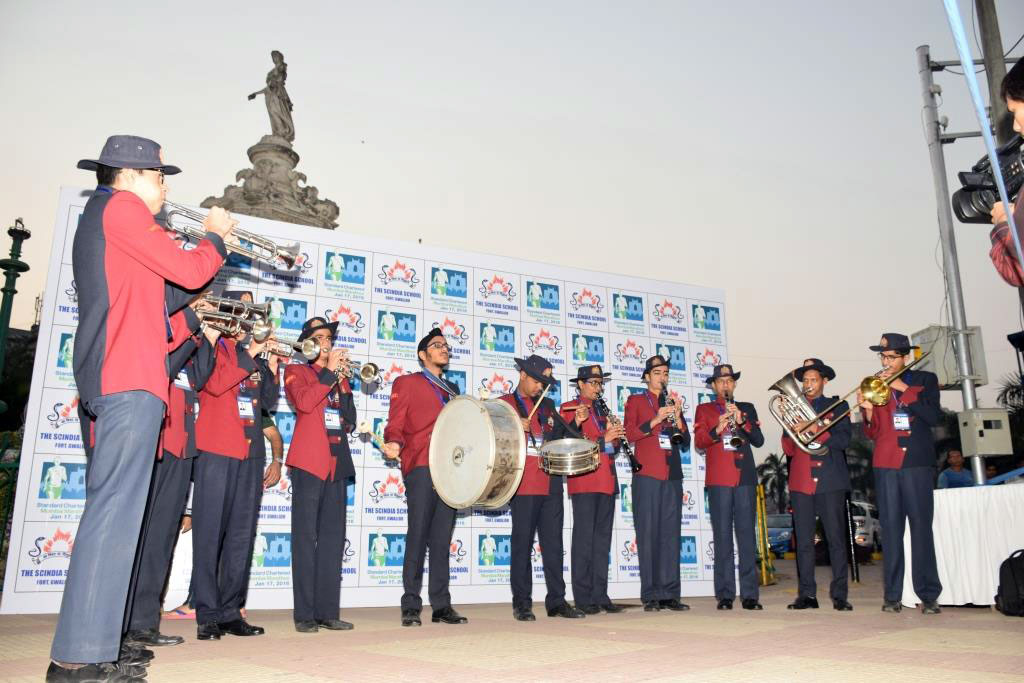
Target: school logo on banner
[63, 414]
[457, 336]
[59, 545]
[72, 293]
[347, 319]
[543, 342]
[587, 348]
[630, 350]
[497, 287]
[398, 274]
[667, 311]
[390, 488]
[704, 361]
[586, 300]
[497, 384]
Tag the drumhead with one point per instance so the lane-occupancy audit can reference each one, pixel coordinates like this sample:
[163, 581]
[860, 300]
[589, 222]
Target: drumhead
[568, 446]
[465, 448]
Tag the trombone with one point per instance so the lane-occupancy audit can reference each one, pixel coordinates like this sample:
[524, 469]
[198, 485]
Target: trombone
[232, 325]
[786, 408]
[184, 220]
[309, 349]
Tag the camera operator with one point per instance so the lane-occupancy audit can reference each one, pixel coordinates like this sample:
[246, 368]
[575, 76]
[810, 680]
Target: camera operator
[1003, 253]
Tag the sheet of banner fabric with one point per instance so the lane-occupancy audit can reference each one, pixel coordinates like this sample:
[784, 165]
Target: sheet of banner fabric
[385, 296]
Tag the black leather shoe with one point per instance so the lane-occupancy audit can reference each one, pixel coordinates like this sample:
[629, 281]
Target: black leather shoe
[411, 617]
[651, 606]
[133, 671]
[725, 604]
[306, 626]
[334, 624]
[931, 608]
[447, 615]
[803, 602]
[842, 606]
[612, 608]
[523, 614]
[208, 631]
[588, 609]
[152, 638]
[751, 603]
[674, 605]
[132, 659]
[90, 673]
[140, 653]
[893, 606]
[566, 611]
[240, 627]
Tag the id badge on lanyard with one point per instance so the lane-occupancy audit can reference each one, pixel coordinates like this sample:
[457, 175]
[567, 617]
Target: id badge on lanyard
[332, 418]
[901, 421]
[245, 410]
[181, 381]
[664, 441]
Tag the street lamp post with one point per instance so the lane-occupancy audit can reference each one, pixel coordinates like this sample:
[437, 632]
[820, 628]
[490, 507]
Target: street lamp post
[12, 267]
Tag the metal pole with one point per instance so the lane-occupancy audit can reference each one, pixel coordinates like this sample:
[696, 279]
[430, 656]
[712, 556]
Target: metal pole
[12, 267]
[951, 266]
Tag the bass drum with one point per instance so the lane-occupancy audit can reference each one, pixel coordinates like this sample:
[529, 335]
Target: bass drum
[477, 453]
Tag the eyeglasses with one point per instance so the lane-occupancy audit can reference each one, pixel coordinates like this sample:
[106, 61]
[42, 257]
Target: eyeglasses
[439, 346]
[159, 171]
[596, 383]
[890, 356]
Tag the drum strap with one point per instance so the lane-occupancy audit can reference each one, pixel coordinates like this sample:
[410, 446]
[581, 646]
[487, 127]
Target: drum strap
[523, 412]
[442, 397]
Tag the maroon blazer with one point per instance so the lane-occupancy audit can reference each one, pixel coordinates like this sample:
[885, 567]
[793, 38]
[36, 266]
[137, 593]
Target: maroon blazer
[640, 410]
[601, 480]
[308, 388]
[724, 468]
[415, 405]
[219, 428]
[535, 482]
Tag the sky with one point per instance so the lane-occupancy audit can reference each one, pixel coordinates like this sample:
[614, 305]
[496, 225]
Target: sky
[774, 150]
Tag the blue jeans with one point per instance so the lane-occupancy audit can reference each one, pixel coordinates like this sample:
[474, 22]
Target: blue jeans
[120, 469]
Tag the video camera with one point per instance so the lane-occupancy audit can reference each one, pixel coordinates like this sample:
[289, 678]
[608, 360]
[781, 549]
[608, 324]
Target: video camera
[973, 202]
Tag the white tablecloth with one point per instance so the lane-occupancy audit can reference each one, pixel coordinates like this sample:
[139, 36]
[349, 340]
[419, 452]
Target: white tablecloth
[975, 530]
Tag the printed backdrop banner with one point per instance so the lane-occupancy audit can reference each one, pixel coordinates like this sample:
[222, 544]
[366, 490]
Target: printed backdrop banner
[385, 295]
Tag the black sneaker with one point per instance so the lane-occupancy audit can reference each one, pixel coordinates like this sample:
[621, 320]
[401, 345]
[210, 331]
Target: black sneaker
[893, 606]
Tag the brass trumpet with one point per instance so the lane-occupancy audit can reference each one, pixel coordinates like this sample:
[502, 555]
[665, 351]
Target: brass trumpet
[309, 349]
[232, 325]
[368, 372]
[188, 222]
[240, 309]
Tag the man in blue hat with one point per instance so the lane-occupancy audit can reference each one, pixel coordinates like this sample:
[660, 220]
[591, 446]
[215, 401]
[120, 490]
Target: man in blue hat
[537, 507]
[904, 465]
[818, 485]
[122, 261]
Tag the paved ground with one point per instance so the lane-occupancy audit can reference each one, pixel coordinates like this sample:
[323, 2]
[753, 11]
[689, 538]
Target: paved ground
[961, 644]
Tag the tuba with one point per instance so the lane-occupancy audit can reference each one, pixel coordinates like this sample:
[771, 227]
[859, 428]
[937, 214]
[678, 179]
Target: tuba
[790, 407]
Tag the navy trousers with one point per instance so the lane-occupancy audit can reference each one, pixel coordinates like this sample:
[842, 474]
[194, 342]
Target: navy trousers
[733, 507]
[318, 536]
[223, 527]
[657, 516]
[543, 516]
[906, 495]
[593, 515]
[431, 523]
[167, 496]
[120, 468]
[831, 508]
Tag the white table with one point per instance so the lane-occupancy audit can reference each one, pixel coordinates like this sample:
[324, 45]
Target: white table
[975, 529]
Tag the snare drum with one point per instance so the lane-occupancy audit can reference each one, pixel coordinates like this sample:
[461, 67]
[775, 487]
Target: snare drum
[477, 453]
[569, 457]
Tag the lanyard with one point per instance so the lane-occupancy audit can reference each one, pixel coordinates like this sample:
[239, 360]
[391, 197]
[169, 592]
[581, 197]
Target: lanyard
[647, 395]
[443, 398]
[524, 412]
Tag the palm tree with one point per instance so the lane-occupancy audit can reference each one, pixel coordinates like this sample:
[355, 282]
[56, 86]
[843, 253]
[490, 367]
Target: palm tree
[774, 478]
[1011, 397]
[858, 461]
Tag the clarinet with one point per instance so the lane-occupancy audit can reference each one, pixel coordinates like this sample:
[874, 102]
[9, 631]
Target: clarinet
[664, 401]
[603, 411]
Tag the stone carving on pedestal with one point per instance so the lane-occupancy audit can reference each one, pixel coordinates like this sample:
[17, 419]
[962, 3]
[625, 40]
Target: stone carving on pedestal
[272, 188]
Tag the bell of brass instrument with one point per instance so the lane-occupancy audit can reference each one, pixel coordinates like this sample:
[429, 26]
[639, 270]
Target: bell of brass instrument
[188, 222]
[241, 309]
[368, 373]
[736, 440]
[877, 390]
[677, 434]
[309, 349]
[790, 408]
[602, 409]
[232, 325]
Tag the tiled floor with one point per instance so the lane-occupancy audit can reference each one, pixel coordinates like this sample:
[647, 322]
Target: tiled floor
[961, 644]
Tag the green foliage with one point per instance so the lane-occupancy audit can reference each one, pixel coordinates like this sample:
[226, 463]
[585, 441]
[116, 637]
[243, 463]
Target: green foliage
[774, 477]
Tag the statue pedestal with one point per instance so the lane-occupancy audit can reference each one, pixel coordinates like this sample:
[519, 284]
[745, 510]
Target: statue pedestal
[273, 189]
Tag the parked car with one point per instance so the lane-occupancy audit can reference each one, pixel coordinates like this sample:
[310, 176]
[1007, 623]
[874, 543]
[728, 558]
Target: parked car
[867, 530]
[780, 533]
